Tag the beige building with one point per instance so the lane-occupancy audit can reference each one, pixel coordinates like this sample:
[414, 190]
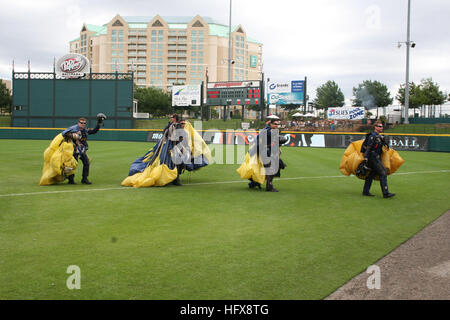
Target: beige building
[163, 51]
[7, 84]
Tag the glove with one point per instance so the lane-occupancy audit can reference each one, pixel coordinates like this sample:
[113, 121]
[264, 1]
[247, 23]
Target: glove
[100, 118]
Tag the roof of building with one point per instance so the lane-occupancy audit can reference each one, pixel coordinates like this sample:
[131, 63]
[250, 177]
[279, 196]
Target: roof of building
[174, 22]
[168, 19]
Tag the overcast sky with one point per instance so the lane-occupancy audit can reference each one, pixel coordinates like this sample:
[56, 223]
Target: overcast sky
[347, 41]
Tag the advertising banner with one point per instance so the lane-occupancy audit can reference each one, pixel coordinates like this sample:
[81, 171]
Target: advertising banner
[405, 143]
[346, 113]
[289, 92]
[244, 137]
[72, 65]
[183, 96]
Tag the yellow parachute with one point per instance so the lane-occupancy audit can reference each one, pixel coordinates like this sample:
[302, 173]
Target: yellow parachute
[154, 175]
[253, 168]
[157, 174]
[353, 157]
[58, 161]
[197, 145]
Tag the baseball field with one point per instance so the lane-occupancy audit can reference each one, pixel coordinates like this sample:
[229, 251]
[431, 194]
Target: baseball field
[213, 237]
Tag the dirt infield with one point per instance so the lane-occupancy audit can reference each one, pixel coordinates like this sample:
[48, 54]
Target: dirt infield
[419, 269]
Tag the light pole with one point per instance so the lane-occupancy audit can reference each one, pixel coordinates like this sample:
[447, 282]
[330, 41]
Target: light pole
[408, 44]
[229, 46]
[226, 108]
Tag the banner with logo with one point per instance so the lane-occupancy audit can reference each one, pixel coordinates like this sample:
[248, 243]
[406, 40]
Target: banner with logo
[72, 65]
[289, 92]
[247, 137]
[346, 113]
[186, 95]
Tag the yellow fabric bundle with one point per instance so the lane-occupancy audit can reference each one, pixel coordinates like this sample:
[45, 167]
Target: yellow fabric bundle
[353, 157]
[253, 168]
[154, 175]
[58, 161]
[158, 174]
[197, 145]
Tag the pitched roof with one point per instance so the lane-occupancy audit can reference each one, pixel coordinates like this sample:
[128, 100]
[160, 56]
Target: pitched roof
[174, 22]
[168, 19]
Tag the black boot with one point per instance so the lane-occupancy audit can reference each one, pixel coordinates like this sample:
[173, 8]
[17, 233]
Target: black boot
[388, 195]
[269, 185]
[85, 181]
[177, 182]
[71, 179]
[384, 187]
[367, 185]
[252, 184]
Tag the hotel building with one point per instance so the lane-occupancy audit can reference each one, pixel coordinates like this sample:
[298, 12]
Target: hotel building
[163, 51]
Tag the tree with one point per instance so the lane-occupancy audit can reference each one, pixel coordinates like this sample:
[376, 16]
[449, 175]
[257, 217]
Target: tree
[153, 100]
[431, 95]
[371, 94]
[329, 95]
[5, 97]
[415, 96]
[427, 93]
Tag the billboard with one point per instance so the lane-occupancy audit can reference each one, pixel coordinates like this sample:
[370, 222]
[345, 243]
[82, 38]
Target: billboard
[72, 65]
[301, 139]
[346, 113]
[183, 96]
[244, 93]
[253, 61]
[289, 92]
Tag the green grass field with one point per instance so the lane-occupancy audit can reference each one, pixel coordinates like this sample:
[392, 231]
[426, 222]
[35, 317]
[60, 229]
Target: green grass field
[212, 238]
[419, 128]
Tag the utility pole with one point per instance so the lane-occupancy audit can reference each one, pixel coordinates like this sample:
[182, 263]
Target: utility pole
[226, 108]
[407, 66]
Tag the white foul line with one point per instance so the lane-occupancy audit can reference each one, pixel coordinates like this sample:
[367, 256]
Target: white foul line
[198, 184]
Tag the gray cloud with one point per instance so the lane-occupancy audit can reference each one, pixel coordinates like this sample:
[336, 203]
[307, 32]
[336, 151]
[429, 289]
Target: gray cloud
[346, 41]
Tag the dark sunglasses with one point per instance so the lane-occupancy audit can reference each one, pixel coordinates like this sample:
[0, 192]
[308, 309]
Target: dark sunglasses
[81, 122]
[379, 126]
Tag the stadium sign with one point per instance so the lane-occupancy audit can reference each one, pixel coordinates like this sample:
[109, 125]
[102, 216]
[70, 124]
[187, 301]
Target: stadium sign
[289, 92]
[300, 139]
[183, 96]
[244, 93]
[72, 65]
[346, 113]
